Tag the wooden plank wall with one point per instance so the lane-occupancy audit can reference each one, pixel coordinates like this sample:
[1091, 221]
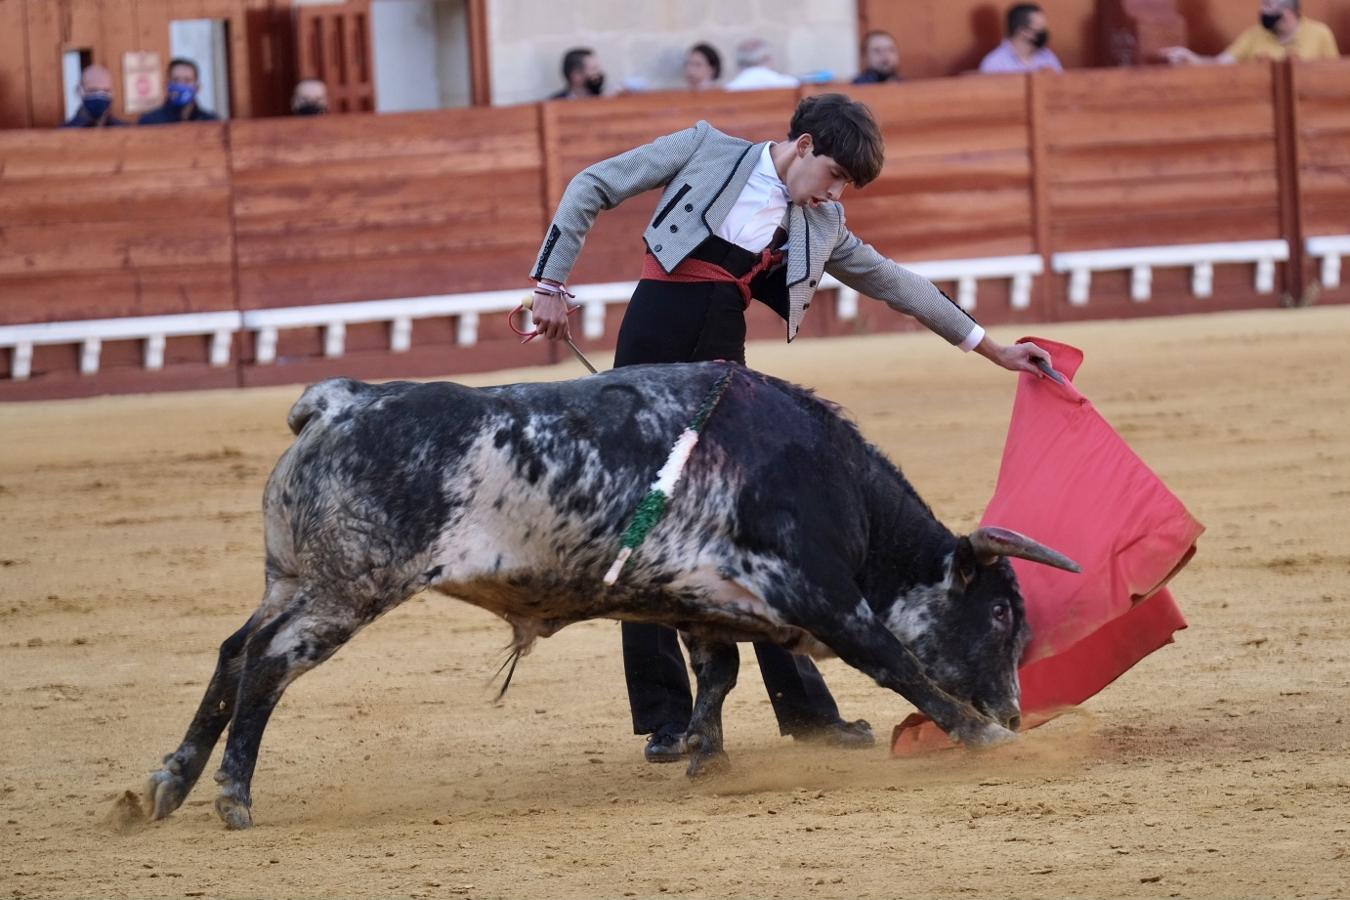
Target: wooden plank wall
[1322, 92]
[122, 222]
[14, 99]
[1140, 157]
[118, 222]
[274, 213]
[331, 210]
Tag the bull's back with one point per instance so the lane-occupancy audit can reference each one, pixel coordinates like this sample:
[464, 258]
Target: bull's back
[410, 465]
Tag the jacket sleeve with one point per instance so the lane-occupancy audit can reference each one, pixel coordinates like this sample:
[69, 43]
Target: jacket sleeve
[862, 268]
[604, 186]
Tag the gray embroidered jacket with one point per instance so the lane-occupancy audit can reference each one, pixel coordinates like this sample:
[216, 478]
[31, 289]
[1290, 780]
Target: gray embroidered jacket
[703, 171]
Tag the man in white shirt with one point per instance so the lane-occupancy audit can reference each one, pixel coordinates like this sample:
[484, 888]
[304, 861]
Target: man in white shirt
[755, 58]
[739, 220]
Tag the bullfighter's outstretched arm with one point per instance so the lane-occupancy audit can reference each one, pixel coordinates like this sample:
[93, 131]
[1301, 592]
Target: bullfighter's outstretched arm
[859, 265]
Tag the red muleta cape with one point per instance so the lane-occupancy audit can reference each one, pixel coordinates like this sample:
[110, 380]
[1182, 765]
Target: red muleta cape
[1069, 481]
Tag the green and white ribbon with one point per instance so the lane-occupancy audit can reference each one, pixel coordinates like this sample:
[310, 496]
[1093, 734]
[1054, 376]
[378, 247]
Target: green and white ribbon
[653, 506]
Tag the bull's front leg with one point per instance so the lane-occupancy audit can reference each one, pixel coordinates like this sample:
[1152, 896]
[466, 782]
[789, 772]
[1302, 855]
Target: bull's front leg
[716, 665]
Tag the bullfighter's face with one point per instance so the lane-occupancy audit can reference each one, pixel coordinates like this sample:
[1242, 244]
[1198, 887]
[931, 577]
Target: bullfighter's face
[813, 179]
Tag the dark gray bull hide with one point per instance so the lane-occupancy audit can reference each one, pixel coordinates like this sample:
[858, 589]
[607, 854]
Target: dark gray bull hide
[787, 527]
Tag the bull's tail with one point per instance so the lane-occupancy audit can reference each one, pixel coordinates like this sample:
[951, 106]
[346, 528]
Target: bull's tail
[322, 401]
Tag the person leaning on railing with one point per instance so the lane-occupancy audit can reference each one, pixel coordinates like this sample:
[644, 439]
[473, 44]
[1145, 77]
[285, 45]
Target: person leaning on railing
[1282, 33]
[1026, 46]
[180, 101]
[881, 59]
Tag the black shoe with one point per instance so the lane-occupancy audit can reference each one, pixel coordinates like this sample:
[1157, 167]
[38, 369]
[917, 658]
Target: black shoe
[665, 746]
[854, 735]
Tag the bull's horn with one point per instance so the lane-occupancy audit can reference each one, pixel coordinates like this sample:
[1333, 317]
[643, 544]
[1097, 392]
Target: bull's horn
[990, 543]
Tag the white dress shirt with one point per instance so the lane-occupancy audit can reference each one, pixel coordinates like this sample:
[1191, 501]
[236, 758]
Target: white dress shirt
[759, 209]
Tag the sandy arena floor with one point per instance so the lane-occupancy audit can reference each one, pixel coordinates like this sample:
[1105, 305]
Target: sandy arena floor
[130, 546]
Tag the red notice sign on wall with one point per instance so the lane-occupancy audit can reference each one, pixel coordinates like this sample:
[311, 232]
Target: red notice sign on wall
[144, 81]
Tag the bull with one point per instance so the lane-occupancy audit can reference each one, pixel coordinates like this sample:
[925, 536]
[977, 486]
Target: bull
[788, 526]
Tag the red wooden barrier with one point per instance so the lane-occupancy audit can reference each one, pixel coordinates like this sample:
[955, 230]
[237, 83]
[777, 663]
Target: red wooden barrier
[289, 213]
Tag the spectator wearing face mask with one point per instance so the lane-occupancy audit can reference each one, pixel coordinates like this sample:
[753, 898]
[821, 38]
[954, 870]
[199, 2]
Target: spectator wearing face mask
[1025, 47]
[180, 100]
[1282, 33]
[96, 100]
[583, 74]
[310, 98]
[880, 57]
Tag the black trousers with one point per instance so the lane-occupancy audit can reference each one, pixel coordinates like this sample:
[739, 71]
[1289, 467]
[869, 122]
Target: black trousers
[668, 323]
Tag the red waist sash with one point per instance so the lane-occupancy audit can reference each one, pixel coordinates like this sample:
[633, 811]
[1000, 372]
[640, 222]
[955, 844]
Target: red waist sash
[694, 271]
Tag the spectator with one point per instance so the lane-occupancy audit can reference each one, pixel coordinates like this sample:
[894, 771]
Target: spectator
[1025, 48]
[702, 67]
[180, 102]
[96, 100]
[581, 70]
[1283, 32]
[881, 59]
[754, 59]
[310, 98]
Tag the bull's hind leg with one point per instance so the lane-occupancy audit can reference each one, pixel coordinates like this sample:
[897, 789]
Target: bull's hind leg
[303, 636]
[716, 665]
[168, 787]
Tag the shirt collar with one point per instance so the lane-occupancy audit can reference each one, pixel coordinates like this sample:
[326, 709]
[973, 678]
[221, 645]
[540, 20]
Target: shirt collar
[764, 169]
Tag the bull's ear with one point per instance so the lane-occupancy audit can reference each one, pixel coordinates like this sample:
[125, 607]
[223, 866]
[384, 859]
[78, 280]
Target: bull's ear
[990, 543]
[965, 560]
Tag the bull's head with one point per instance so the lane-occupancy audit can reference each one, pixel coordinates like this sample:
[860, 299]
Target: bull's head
[969, 631]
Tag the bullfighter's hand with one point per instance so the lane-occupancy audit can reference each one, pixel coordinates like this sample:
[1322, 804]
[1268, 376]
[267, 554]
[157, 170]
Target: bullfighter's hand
[550, 315]
[1016, 357]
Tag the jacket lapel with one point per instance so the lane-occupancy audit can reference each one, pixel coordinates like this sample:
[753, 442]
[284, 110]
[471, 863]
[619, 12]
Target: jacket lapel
[731, 188]
[799, 245]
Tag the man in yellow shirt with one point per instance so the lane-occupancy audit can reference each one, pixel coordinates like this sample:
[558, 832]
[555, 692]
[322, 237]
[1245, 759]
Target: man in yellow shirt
[1283, 33]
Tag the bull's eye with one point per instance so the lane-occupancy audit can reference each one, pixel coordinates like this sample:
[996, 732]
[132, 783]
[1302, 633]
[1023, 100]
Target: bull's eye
[1000, 612]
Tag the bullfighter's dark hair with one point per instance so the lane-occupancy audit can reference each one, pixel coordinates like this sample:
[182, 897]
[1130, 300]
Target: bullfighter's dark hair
[843, 130]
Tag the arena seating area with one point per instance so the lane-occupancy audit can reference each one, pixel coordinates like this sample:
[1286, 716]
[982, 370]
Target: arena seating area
[282, 250]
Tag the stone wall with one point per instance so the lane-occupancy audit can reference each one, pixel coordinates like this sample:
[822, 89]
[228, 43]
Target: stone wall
[643, 41]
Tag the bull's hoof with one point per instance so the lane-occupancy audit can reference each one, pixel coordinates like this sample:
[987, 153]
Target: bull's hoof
[165, 791]
[708, 765]
[234, 805]
[984, 735]
[234, 813]
[856, 735]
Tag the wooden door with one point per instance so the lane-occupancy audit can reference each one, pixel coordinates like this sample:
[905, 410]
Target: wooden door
[271, 60]
[333, 44]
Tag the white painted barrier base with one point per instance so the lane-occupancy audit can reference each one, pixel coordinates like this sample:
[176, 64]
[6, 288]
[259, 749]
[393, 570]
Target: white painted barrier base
[1329, 249]
[1141, 261]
